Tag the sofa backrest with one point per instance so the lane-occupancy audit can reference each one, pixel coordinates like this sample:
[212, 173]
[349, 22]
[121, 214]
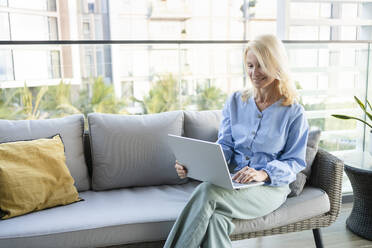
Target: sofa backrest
[71, 130]
[132, 150]
[124, 132]
[202, 125]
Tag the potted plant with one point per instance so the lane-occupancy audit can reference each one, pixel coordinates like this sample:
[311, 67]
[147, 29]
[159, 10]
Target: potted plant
[369, 115]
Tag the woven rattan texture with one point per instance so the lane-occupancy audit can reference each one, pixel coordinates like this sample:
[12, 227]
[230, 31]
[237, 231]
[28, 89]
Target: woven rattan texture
[360, 219]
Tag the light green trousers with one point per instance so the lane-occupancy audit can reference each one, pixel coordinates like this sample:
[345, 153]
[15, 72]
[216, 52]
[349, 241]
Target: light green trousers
[206, 220]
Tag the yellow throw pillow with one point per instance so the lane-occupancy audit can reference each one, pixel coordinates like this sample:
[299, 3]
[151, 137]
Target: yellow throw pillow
[34, 176]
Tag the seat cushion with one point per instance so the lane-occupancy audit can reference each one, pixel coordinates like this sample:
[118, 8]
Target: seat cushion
[104, 218]
[134, 215]
[71, 130]
[132, 150]
[312, 202]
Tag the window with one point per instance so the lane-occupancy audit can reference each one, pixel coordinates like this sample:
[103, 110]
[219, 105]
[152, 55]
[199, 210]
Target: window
[91, 7]
[37, 28]
[53, 28]
[23, 61]
[4, 3]
[4, 27]
[100, 63]
[51, 5]
[86, 30]
[6, 69]
[349, 11]
[34, 4]
[89, 64]
[55, 65]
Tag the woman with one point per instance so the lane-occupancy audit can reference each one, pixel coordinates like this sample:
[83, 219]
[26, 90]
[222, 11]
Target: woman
[263, 134]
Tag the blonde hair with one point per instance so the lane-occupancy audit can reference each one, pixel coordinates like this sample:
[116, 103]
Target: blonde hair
[272, 57]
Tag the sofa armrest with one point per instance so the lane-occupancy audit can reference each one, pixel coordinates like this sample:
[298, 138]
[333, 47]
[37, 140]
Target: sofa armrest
[326, 173]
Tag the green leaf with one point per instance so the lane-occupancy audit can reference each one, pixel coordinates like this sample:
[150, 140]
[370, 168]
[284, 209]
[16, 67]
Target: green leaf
[361, 105]
[364, 108]
[369, 105]
[345, 117]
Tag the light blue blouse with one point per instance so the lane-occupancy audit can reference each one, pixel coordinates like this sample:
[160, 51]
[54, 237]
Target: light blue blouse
[273, 140]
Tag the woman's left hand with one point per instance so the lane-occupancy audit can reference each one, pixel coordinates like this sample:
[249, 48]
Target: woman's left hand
[248, 174]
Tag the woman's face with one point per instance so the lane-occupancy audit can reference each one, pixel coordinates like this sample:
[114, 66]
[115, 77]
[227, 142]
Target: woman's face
[259, 79]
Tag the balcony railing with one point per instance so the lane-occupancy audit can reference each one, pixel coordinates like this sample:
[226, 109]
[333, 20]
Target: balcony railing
[46, 79]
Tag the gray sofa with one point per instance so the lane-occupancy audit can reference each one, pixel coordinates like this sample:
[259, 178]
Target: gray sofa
[123, 169]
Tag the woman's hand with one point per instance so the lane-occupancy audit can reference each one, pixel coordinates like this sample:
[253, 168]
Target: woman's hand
[181, 170]
[248, 174]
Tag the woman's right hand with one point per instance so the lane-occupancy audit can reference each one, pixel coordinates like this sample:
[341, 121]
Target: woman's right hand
[181, 170]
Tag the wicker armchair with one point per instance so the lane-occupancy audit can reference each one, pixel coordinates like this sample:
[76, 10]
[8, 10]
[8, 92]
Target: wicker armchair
[327, 171]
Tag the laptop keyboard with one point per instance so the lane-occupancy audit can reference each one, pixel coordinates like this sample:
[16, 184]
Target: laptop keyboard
[235, 184]
[238, 185]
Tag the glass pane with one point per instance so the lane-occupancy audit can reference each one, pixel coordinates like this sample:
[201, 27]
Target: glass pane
[199, 28]
[220, 8]
[349, 11]
[141, 63]
[52, 6]
[6, 70]
[325, 10]
[23, 70]
[26, 4]
[255, 28]
[4, 27]
[348, 33]
[304, 10]
[219, 29]
[324, 33]
[200, 8]
[264, 9]
[29, 27]
[236, 8]
[4, 3]
[164, 30]
[53, 28]
[163, 60]
[328, 76]
[236, 30]
[303, 33]
[55, 71]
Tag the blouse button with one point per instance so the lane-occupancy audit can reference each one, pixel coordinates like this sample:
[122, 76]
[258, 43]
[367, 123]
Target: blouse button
[253, 132]
[259, 116]
[246, 158]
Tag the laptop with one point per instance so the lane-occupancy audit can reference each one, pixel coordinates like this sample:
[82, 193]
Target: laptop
[205, 161]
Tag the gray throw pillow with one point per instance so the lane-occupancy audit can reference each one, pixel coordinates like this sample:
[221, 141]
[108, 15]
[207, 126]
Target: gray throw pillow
[70, 128]
[132, 150]
[202, 125]
[311, 150]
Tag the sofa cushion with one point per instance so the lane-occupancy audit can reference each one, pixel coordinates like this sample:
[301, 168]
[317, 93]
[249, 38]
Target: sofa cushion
[104, 218]
[311, 150]
[202, 124]
[34, 176]
[312, 202]
[132, 150]
[70, 128]
[125, 216]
